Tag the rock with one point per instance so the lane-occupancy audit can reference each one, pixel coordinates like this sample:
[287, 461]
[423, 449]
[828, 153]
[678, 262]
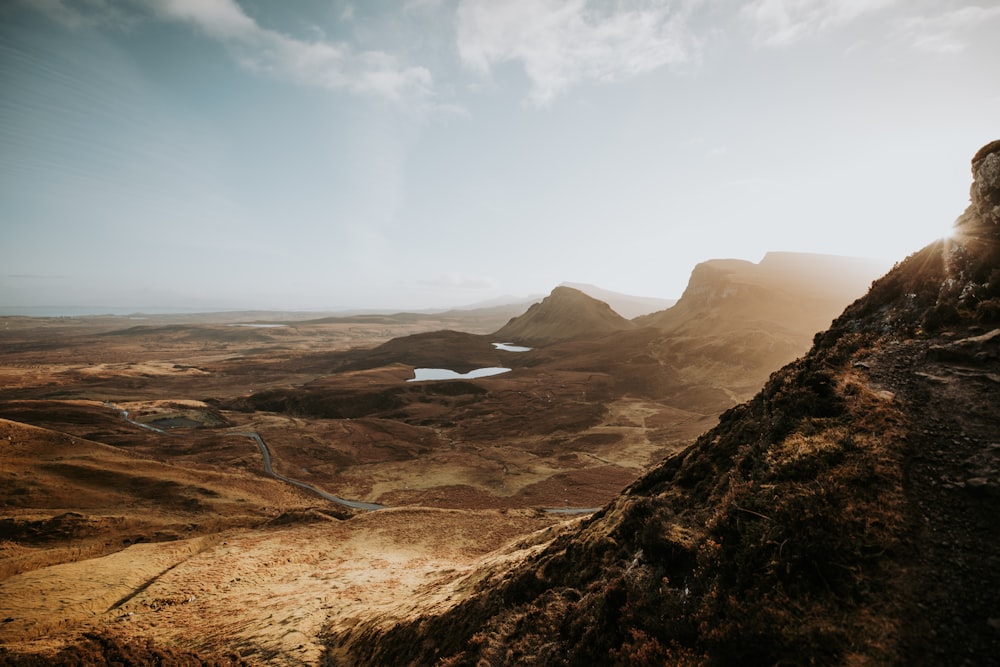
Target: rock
[985, 191]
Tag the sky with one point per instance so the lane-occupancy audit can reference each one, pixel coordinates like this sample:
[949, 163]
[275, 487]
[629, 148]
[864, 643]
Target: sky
[328, 154]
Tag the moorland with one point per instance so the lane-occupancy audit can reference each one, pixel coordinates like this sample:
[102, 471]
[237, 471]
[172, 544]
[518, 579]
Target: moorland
[173, 485]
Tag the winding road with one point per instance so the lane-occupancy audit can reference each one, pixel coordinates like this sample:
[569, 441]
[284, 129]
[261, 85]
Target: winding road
[265, 452]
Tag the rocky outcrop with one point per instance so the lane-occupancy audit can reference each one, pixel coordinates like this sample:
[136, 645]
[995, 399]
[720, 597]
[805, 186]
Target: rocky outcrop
[971, 257]
[985, 191]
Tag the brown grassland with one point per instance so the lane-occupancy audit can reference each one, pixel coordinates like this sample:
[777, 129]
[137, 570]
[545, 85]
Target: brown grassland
[165, 528]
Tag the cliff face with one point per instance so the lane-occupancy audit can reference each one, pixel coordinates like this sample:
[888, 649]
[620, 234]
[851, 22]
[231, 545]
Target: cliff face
[844, 515]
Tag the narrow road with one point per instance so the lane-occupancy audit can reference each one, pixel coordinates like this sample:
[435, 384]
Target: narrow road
[139, 424]
[266, 453]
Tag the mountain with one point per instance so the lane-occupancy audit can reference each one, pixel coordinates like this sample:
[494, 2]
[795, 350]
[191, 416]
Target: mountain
[844, 515]
[626, 305]
[799, 292]
[565, 314]
[737, 321]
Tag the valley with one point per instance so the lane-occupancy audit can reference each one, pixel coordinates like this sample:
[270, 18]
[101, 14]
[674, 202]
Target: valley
[246, 490]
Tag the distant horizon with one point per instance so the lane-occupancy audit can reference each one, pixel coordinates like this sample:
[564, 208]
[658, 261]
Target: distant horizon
[85, 310]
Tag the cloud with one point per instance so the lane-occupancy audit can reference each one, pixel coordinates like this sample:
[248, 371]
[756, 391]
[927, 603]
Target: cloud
[783, 22]
[329, 65]
[335, 66]
[219, 19]
[563, 43]
[947, 32]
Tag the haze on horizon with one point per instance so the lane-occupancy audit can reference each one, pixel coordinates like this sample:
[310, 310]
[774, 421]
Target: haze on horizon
[207, 154]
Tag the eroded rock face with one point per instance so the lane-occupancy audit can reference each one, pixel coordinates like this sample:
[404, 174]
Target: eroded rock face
[985, 191]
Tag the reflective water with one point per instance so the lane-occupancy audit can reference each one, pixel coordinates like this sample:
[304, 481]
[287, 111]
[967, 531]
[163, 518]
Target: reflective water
[511, 348]
[421, 374]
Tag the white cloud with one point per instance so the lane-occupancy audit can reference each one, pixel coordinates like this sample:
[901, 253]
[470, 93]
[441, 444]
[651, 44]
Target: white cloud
[946, 32]
[336, 66]
[325, 64]
[219, 19]
[562, 43]
[783, 22]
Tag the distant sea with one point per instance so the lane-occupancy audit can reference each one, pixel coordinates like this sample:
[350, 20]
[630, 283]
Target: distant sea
[83, 311]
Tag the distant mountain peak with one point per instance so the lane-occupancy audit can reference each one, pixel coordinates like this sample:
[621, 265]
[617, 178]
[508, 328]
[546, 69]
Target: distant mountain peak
[565, 314]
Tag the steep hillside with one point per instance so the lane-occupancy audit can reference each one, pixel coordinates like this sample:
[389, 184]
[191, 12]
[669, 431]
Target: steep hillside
[845, 515]
[565, 314]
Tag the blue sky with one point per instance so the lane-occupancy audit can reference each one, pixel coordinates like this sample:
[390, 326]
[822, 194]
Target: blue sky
[310, 154]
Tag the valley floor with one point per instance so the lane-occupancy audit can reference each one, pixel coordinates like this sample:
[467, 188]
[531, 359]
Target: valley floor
[164, 527]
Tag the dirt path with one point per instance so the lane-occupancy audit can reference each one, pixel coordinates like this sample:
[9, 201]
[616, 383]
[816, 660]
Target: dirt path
[954, 486]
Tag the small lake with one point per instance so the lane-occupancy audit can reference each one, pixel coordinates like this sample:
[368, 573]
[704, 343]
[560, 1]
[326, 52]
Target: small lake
[422, 374]
[512, 348]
